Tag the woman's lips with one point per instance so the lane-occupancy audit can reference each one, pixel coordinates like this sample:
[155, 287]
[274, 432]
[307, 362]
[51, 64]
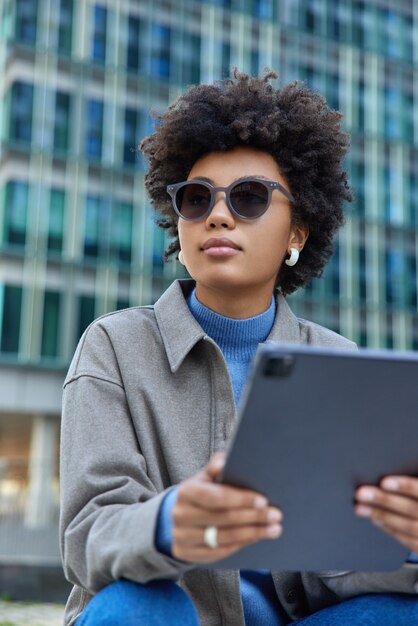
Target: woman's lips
[220, 247]
[221, 251]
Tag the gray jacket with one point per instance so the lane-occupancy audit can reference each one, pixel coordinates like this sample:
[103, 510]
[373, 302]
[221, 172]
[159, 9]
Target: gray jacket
[147, 400]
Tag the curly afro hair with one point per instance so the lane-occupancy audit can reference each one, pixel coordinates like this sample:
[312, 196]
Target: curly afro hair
[292, 123]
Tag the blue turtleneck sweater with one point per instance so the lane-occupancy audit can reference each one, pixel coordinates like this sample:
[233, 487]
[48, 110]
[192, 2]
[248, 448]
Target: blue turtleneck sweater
[238, 341]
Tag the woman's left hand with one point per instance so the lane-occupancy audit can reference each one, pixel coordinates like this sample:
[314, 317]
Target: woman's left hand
[393, 507]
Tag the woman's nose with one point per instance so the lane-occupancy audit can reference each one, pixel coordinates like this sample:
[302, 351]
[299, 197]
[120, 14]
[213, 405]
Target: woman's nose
[220, 214]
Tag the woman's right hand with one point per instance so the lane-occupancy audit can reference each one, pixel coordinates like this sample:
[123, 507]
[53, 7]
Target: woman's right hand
[241, 516]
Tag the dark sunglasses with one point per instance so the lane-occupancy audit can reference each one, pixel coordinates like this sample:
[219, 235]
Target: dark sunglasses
[247, 198]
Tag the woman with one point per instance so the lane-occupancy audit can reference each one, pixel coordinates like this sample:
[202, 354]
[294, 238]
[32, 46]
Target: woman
[249, 181]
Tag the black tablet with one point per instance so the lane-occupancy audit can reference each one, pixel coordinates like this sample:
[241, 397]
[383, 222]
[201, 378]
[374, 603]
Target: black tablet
[314, 424]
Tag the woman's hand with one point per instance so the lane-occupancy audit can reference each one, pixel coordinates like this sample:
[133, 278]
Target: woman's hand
[393, 506]
[241, 516]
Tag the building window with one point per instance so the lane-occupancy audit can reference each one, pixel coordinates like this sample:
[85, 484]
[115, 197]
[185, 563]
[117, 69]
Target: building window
[263, 9]
[393, 112]
[362, 273]
[26, 16]
[131, 136]
[158, 252]
[98, 52]
[94, 131]
[133, 49]
[56, 220]
[408, 38]
[358, 23]
[408, 112]
[413, 196]
[225, 59]
[370, 26]
[122, 303]
[254, 62]
[65, 30]
[395, 277]
[108, 230]
[333, 273]
[190, 58]
[357, 178]
[121, 240]
[333, 91]
[411, 273]
[62, 119]
[7, 19]
[361, 106]
[15, 213]
[195, 44]
[394, 204]
[86, 313]
[393, 31]
[11, 301]
[21, 112]
[340, 20]
[94, 225]
[50, 326]
[160, 50]
[310, 16]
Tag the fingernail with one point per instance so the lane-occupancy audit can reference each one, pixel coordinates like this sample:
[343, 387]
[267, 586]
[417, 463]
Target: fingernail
[274, 530]
[260, 502]
[390, 483]
[274, 516]
[366, 494]
[364, 511]
[377, 522]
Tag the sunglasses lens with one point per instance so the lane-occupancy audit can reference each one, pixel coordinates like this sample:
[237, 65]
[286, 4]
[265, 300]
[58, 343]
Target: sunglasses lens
[193, 200]
[249, 198]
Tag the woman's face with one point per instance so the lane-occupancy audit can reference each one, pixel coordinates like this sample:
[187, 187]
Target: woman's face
[260, 245]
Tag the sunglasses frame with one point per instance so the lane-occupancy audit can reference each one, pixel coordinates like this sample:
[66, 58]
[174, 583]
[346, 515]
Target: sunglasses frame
[270, 185]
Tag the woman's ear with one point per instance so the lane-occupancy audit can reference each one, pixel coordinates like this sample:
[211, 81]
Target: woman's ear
[298, 236]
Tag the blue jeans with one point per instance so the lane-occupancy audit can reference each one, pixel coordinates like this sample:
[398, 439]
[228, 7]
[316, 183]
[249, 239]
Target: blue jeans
[159, 603]
[125, 603]
[380, 609]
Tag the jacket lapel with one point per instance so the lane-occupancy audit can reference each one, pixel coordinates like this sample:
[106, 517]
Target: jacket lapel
[286, 326]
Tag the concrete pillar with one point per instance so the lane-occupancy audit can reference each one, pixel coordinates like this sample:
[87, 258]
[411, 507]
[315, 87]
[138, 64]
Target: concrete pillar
[40, 501]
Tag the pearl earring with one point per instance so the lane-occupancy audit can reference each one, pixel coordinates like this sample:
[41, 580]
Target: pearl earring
[181, 257]
[294, 256]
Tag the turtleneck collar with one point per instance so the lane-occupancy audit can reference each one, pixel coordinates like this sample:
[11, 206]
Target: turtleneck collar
[237, 338]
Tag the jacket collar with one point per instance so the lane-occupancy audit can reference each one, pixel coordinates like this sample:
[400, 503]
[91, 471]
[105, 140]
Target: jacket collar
[180, 331]
[286, 325]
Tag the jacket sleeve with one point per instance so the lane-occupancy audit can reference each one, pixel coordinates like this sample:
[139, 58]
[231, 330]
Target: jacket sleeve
[109, 505]
[350, 584]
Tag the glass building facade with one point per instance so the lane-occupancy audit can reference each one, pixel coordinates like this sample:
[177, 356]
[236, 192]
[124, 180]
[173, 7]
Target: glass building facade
[78, 81]
[362, 56]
